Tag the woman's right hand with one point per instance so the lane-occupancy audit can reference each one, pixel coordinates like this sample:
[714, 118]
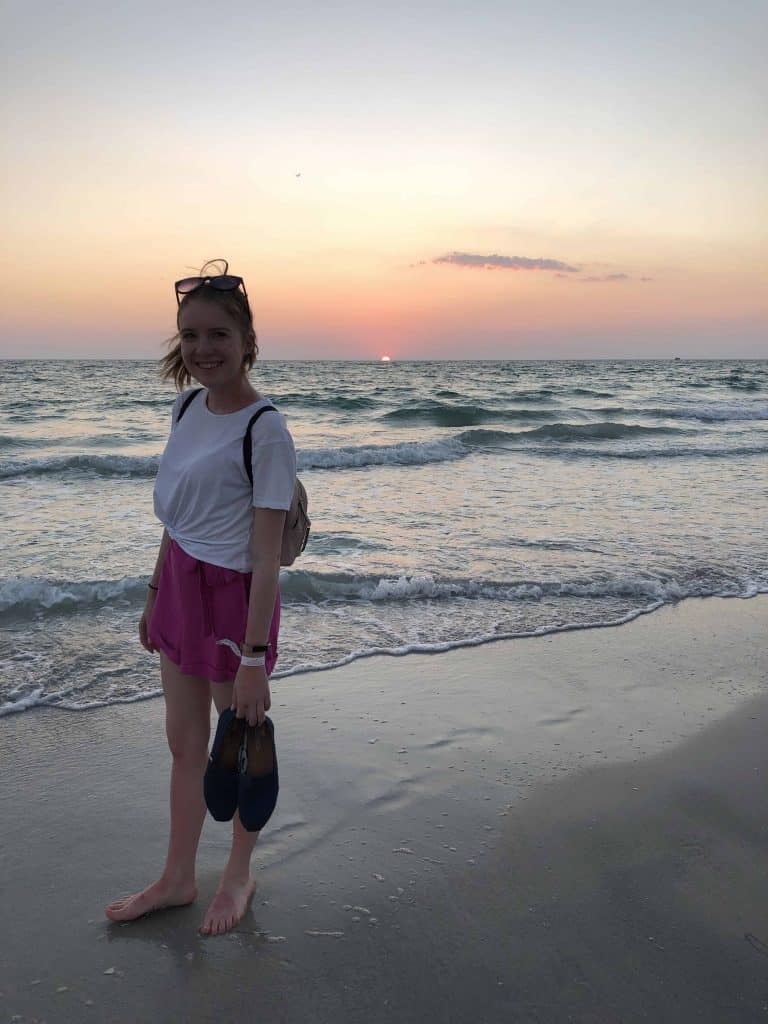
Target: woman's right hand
[146, 615]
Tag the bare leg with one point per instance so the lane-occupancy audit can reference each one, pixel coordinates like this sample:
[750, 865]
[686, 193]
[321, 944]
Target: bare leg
[187, 726]
[236, 885]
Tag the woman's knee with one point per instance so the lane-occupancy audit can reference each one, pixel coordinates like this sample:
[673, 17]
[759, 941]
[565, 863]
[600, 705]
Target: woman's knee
[187, 745]
[187, 713]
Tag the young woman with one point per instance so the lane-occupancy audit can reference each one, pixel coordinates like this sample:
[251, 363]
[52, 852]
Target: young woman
[216, 575]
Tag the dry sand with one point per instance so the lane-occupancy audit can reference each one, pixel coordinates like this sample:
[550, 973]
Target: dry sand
[560, 829]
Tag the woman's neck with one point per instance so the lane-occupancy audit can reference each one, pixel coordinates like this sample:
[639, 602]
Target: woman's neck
[231, 397]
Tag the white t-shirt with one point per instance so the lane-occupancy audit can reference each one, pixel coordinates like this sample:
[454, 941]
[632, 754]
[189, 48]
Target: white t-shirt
[202, 494]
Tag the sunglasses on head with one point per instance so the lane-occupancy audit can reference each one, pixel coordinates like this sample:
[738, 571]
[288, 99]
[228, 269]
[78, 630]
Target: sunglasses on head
[221, 282]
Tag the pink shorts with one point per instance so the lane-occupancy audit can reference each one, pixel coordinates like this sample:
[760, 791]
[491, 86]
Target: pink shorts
[198, 604]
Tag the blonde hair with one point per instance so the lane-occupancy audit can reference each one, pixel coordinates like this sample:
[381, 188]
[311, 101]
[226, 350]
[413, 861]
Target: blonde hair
[235, 305]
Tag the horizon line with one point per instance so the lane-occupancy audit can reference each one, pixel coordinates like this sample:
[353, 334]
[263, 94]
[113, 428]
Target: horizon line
[379, 361]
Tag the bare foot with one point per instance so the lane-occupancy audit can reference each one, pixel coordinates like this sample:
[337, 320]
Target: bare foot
[155, 897]
[228, 906]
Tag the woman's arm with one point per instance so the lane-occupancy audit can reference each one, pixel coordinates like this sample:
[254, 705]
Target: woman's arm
[152, 594]
[250, 695]
[164, 544]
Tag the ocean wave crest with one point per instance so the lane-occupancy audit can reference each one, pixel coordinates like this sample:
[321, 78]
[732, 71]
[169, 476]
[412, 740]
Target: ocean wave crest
[340, 403]
[407, 453]
[739, 384]
[550, 439]
[140, 466]
[440, 414]
[22, 596]
[705, 412]
[607, 430]
[534, 395]
[672, 452]
[305, 586]
[15, 441]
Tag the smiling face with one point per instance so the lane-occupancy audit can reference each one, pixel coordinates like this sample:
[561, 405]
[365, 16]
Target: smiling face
[212, 345]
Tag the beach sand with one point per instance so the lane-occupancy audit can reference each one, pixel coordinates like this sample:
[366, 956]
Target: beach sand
[571, 828]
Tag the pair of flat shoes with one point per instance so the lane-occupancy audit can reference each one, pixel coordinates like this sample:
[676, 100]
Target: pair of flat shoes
[242, 772]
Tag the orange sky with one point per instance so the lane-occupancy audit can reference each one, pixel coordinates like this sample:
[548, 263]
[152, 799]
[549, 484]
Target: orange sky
[506, 136]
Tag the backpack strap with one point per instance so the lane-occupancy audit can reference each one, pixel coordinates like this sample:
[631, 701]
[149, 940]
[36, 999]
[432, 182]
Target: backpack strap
[247, 446]
[185, 403]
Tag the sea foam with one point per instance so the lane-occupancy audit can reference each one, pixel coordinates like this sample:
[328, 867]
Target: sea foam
[22, 597]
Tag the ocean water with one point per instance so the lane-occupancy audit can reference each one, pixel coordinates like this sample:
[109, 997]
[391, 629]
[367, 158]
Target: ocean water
[452, 503]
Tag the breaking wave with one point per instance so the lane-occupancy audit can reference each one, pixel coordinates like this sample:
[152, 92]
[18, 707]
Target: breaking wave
[25, 597]
[418, 453]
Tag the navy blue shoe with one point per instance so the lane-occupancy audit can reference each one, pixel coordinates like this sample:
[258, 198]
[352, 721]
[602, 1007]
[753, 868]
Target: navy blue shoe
[257, 795]
[222, 775]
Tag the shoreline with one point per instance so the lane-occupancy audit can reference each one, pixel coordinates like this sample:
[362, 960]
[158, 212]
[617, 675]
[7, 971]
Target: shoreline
[31, 702]
[569, 827]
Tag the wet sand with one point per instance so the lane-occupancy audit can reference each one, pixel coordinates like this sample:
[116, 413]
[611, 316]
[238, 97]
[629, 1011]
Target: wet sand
[569, 828]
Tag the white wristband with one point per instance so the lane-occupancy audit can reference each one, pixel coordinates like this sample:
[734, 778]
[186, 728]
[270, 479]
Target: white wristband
[258, 662]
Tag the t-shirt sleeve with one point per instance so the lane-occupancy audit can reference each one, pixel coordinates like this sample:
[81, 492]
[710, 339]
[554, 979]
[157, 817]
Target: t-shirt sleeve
[274, 473]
